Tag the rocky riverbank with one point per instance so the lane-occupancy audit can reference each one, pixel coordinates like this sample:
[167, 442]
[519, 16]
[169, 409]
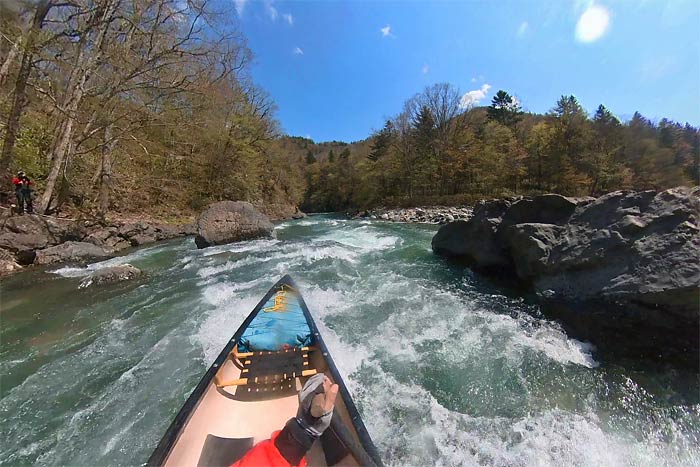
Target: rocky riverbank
[33, 239]
[639, 251]
[420, 215]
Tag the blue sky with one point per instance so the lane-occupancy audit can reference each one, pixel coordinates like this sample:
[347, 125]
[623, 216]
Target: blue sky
[337, 69]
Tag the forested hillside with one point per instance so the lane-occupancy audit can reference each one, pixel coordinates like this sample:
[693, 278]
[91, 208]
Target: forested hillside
[133, 106]
[115, 106]
[436, 151]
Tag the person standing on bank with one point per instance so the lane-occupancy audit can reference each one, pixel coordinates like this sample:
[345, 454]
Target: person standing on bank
[23, 192]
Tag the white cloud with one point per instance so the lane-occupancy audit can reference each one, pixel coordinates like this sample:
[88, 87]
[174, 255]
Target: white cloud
[240, 6]
[522, 29]
[288, 18]
[472, 98]
[271, 11]
[386, 31]
[297, 51]
[474, 79]
[593, 24]
[426, 69]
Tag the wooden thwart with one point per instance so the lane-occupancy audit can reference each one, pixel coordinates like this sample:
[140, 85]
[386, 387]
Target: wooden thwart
[236, 354]
[244, 381]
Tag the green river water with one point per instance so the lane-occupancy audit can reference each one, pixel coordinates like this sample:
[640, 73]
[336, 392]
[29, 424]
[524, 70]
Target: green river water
[446, 368]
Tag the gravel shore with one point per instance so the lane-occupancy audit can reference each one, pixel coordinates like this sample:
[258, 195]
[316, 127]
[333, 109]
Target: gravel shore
[421, 215]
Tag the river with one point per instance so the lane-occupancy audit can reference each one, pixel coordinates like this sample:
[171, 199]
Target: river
[446, 367]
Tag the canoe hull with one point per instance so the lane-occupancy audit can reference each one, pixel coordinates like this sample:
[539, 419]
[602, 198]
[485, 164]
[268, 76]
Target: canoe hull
[211, 411]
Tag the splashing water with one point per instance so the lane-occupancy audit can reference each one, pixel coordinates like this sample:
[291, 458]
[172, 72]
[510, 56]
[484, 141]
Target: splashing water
[447, 368]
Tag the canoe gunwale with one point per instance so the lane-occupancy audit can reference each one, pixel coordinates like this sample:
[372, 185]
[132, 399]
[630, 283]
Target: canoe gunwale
[175, 429]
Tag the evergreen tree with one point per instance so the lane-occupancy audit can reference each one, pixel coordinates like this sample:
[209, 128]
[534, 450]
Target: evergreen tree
[667, 133]
[607, 170]
[423, 136]
[331, 156]
[310, 159]
[570, 146]
[382, 142]
[505, 109]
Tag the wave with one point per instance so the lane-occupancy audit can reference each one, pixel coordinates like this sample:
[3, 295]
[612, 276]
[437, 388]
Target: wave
[445, 371]
[135, 256]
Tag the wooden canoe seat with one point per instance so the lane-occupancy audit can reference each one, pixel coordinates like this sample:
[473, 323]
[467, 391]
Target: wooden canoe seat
[265, 368]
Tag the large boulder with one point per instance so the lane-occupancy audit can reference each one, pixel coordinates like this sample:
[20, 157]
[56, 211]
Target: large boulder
[545, 209]
[71, 252]
[533, 242]
[627, 264]
[485, 247]
[231, 221]
[111, 274]
[641, 247]
[30, 232]
[482, 250]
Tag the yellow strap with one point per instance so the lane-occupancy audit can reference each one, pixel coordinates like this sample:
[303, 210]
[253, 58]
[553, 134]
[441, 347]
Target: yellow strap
[235, 382]
[280, 305]
[280, 300]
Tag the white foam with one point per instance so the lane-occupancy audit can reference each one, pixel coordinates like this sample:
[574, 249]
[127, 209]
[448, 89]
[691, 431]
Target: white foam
[241, 247]
[219, 293]
[363, 237]
[348, 356]
[221, 323]
[392, 334]
[412, 428]
[70, 271]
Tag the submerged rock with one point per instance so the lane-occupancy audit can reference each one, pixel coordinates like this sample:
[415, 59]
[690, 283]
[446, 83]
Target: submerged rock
[70, 252]
[111, 274]
[231, 221]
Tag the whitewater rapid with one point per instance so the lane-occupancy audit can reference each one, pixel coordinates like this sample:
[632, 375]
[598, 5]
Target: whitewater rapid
[446, 368]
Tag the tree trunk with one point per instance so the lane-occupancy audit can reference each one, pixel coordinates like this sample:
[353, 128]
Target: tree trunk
[11, 55]
[18, 104]
[20, 96]
[106, 171]
[88, 58]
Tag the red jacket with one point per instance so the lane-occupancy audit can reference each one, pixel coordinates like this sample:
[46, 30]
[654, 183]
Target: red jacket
[18, 183]
[266, 454]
